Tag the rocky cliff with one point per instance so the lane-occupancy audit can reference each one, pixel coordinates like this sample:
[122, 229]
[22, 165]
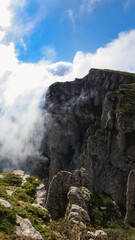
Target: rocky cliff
[23, 215]
[91, 123]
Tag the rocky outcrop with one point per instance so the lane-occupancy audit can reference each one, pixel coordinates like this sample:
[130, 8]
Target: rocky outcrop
[130, 206]
[77, 211]
[41, 195]
[25, 228]
[21, 174]
[71, 107]
[89, 124]
[108, 153]
[57, 195]
[77, 215]
[97, 234]
[5, 204]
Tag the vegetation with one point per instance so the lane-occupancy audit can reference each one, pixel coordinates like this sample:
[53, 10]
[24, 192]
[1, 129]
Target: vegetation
[30, 186]
[126, 99]
[21, 201]
[10, 179]
[7, 219]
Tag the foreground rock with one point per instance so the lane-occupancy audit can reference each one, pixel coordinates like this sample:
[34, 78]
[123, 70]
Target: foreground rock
[57, 195]
[130, 206]
[41, 195]
[5, 204]
[77, 211]
[26, 229]
[97, 233]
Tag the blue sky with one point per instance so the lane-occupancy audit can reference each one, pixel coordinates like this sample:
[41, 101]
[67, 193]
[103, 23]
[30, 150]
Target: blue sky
[44, 41]
[61, 28]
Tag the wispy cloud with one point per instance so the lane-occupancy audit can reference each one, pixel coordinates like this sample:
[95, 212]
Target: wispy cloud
[71, 16]
[17, 20]
[127, 3]
[23, 44]
[89, 5]
[49, 53]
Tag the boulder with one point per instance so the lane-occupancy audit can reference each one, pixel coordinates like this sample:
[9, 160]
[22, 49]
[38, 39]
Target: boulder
[41, 195]
[97, 234]
[77, 211]
[78, 215]
[79, 196]
[5, 204]
[25, 228]
[59, 187]
[57, 195]
[9, 192]
[19, 173]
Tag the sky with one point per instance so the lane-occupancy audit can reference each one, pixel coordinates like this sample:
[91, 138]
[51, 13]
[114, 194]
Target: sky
[44, 41]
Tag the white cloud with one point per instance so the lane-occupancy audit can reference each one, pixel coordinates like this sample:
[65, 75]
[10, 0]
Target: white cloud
[71, 16]
[2, 35]
[5, 13]
[23, 86]
[23, 44]
[49, 53]
[89, 5]
[17, 21]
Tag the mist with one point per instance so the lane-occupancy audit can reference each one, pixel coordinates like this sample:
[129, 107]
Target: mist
[23, 88]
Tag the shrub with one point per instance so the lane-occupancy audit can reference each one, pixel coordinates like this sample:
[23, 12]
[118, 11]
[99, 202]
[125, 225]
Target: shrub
[7, 219]
[21, 195]
[11, 179]
[30, 186]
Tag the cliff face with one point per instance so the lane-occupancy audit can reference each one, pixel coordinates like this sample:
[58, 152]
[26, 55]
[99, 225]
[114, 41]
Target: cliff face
[91, 123]
[108, 153]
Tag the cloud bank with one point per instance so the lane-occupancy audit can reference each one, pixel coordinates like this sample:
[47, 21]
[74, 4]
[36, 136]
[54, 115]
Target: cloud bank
[23, 87]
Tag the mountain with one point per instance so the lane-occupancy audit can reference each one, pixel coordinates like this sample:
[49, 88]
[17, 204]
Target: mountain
[90, 123]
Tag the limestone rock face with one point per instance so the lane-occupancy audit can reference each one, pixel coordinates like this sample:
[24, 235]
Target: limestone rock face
[78, 215]
[130, 206]
[108, 153]
[89, 124]
[26, 229]
[57, 195]
[71, 107]
[41, 195]
[77, 211]
[79, 196]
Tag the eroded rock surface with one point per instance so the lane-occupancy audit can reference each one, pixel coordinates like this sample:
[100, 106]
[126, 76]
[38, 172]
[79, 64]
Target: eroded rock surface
[5, 204]
[130, 206]
[25, 228]
[41, 195]
[57, 195]
[77, 211]
[89, 124]
[71, 107]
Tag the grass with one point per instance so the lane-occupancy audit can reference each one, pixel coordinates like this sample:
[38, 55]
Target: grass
[126, 99]
[116, 71]
[7, 220]
[10, 179]
[22, 199]
[30, 186]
